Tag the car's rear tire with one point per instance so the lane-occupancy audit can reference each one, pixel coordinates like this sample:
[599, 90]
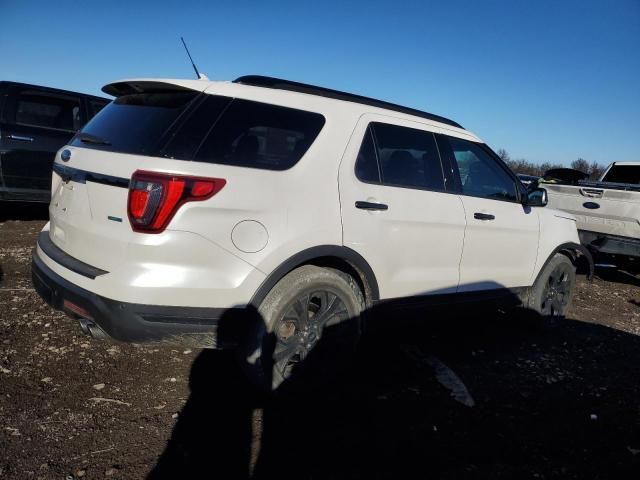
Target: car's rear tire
[308, 303]
[552, 293]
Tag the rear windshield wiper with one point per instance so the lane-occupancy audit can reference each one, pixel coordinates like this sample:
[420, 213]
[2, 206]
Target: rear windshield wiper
[88, 138]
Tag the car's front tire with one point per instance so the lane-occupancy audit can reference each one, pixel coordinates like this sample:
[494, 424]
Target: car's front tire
[309, 304]
[552, 293]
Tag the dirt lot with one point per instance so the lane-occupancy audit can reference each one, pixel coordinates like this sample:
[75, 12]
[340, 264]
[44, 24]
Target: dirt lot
[561, 402]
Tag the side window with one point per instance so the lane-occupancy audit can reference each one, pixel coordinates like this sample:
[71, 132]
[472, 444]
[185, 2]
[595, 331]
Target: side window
[480, 174]
[40, 109]
[367, 162]
[260, 135]
[408, 157]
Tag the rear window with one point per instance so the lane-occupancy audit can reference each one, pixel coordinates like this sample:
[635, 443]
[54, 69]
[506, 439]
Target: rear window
[135, 123]
[95, 106]
[623, 174]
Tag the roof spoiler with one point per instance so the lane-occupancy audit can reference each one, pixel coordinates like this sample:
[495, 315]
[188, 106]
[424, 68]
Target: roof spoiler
[129, 87]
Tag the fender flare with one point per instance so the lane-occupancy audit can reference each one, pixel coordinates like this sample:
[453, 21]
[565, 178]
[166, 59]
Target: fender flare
[575, 250]
[346, 254]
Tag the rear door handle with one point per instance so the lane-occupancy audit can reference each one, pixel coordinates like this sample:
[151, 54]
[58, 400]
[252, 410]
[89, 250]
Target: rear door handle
[371, 206]
[20, 138]
[483, 216]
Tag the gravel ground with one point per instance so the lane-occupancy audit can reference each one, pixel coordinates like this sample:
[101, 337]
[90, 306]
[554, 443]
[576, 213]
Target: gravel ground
[560, 402]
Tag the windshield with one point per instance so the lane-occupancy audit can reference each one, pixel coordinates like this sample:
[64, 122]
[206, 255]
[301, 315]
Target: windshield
[623, 174]
[134, 123]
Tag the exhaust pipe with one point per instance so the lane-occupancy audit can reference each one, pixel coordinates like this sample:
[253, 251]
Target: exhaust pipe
[84, 325]
[89, 327]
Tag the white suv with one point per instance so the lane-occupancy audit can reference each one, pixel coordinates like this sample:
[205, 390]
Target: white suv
[185, 201]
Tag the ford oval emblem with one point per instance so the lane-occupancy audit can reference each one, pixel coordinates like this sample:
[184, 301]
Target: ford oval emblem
[65, 155]
[591, 205]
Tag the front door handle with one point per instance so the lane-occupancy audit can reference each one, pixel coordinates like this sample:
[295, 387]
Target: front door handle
[371, 206]
[20, 138]
[483, 216]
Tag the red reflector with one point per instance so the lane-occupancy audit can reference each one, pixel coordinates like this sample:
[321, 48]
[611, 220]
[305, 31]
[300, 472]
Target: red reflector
[202, 189]
[154, 198]
[72, 307]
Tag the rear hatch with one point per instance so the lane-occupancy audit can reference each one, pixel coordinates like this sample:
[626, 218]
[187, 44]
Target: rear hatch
[90, 186]
[174, 135]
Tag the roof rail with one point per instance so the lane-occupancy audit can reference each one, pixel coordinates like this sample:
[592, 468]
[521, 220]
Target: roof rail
[278, 83]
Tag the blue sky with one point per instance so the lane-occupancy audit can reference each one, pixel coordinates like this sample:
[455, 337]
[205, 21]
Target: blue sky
[546, 80]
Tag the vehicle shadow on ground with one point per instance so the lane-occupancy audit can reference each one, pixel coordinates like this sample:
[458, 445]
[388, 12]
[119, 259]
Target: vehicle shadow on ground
[555, 401]
[616, 275]
[23, 211]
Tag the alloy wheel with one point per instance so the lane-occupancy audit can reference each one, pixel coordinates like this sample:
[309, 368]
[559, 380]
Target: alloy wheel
[301, 326]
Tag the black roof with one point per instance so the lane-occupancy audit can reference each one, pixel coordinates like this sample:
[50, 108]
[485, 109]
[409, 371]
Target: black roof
[270, 82]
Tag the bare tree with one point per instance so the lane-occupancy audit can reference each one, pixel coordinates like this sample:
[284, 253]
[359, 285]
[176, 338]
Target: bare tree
[596, 170]
[580, 164]
[520, 165]
[504, 155]
[593, 169]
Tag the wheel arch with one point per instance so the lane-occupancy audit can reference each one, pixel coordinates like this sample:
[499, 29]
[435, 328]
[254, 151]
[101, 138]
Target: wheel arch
[332, 256]
[578, 254]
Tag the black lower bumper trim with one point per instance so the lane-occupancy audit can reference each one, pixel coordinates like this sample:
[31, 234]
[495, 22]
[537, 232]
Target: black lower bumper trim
[610, 244]
[66, 260]
[130, 322]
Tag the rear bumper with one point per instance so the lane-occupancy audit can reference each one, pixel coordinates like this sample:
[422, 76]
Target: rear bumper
[610, 244]
[129, 322]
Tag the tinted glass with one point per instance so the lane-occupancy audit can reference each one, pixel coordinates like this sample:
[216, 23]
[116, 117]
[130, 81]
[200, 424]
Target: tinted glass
[480, 174]
[95, 106]
[259, 135]
[408, 157]
[367, 163]
[189, 135]
[48, 110]
[623, 174]
[135, 123]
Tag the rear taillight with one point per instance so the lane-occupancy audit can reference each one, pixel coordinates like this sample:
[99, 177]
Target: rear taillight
[154, 198]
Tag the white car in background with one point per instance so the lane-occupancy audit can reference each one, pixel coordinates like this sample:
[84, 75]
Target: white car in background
[187, 202]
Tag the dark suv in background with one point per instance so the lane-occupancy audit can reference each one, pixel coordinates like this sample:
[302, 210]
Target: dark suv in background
[35, 122]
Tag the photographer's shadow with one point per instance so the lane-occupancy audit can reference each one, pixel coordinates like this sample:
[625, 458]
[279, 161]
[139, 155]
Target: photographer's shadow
[385, 414]
[213, 433]
[231, 429]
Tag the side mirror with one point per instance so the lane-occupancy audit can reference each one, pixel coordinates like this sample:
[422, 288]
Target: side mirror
[537, 198]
